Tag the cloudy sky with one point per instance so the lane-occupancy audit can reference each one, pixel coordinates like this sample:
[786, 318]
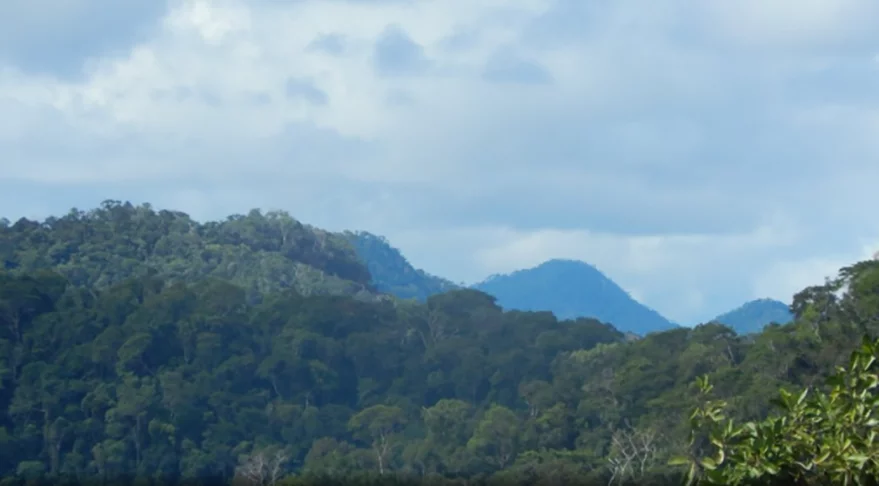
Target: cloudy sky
[699, 152]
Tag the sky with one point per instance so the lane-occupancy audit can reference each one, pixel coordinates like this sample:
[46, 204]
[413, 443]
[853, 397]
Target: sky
[701, 153]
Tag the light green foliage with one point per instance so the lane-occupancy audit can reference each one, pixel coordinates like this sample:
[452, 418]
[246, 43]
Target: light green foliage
[819, 437]
[263, 253]
[378, 425]
[496, 438]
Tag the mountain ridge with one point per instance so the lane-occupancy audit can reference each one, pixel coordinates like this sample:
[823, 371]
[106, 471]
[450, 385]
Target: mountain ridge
[393, 273]
[754, 315]
[261, 252]
[570, 289]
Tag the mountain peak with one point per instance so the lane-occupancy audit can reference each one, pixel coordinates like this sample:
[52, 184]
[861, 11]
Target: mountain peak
[571, 289]
[566, 261]
[754, 315]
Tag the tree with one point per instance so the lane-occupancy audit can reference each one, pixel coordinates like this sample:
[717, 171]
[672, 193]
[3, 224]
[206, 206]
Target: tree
[496, 436]
[263, 467]
[378, 425]
[633, 453]
[329, 457]
[449, 425]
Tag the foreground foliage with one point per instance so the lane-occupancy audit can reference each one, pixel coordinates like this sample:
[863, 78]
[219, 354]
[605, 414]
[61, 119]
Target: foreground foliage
[818, 438]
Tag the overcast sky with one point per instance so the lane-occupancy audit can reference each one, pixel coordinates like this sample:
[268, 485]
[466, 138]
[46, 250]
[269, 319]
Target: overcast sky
[700, 152]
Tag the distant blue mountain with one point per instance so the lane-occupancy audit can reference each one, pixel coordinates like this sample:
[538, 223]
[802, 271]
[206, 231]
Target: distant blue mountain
[568, 288]
[572, 289]
[391, 272]
[753, 316]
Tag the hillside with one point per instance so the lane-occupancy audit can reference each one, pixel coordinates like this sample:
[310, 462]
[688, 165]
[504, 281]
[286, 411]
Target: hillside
[262, 253]
[190, 381]
[391, 272]
[753, 316]
[181, 380]
[573, 289]
[127, 351]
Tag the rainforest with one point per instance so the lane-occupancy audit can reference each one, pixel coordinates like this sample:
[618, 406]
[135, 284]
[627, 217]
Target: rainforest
[257, 350]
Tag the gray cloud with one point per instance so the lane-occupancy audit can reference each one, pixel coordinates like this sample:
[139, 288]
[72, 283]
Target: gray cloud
[507, 68]
[306, 89]
[396, 54]
[400, 98]
[333, 44]
[57, 38]
[460, 40]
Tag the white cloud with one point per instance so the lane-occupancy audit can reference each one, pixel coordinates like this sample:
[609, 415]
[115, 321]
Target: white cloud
[791, 23]
[784, 278]
[700, 153]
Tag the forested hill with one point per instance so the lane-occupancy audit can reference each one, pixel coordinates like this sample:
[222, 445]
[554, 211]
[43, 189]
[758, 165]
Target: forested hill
[572, 289]
[141, 343]
[754, 315]
[391, 272]
[191, 380]
[262, 253]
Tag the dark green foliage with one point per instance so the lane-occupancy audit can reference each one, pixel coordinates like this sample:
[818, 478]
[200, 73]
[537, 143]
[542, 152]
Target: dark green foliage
[753, 316]
[148, 378]
[572, 289]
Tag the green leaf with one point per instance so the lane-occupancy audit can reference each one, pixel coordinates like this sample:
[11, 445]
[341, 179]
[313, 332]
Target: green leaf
[802, 396]
[708, 463]
[678, 461]
[857, 458]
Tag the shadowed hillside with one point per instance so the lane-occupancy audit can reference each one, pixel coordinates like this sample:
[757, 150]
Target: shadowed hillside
[391, 272]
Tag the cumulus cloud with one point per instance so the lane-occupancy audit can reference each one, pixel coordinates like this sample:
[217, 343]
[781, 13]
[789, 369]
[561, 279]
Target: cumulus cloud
[699, 152]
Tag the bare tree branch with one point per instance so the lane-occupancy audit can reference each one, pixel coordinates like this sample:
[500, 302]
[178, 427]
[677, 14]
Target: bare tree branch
[262, 468]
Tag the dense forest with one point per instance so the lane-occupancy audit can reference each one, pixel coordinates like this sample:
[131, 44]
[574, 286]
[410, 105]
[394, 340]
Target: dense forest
[261, 253]
[140, 343]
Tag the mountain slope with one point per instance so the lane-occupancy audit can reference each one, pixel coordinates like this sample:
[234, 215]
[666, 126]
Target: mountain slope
[391, 272]
[753, 316]
[262, 253]
[573, 289]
